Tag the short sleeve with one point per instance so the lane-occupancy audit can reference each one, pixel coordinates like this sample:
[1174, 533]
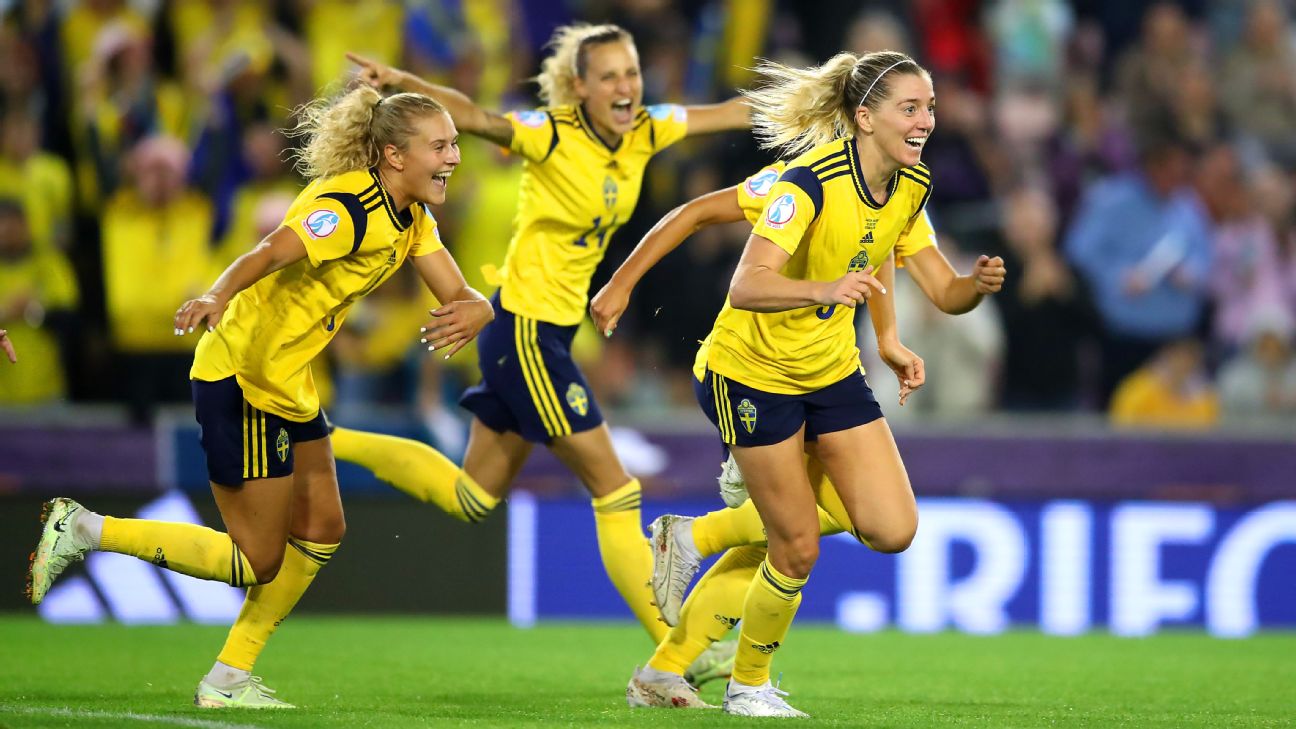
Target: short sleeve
[669, 124]
[331, 227]
[794, 203]
[919, 234]
[429, 236]
[754, 192]
[534, 134]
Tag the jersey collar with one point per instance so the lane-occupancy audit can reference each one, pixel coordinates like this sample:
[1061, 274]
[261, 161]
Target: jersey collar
[857, 174]
[401, 220]
[588, 128]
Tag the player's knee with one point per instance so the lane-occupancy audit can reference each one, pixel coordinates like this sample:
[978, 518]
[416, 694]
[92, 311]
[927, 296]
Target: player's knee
[265, 564]
[800, 555]
[332, 530]
[892, 538]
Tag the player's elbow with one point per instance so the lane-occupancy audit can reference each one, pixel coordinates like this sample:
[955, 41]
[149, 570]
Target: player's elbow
[743, 291]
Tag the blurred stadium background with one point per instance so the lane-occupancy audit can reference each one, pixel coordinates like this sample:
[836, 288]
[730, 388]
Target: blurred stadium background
[1108, 444]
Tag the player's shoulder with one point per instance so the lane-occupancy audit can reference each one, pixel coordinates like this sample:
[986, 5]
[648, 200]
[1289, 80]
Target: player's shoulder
[355, 182]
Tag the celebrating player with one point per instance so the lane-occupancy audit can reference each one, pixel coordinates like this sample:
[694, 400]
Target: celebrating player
[779, 374]
[585, 154]
[374, 163]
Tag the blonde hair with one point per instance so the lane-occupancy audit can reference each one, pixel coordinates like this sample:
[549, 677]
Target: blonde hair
[567, 59]
[800, 108]
[350, 133]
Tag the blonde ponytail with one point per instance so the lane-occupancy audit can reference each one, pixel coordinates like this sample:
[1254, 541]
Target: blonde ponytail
[347, 134]
[567, 58]
[800, 108]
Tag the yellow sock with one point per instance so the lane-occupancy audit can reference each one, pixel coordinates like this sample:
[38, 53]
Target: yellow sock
[711, 610]
[723, 529]
[625, 552]
[266, 606]
[417, 469]
[771, 603]
[185, 548]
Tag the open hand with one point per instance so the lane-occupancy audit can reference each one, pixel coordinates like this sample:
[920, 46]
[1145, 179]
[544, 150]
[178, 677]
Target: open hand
[206, 309]
[456, 324]
[375, 73]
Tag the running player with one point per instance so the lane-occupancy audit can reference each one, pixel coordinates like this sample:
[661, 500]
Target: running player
[584, 156]
[374, 163]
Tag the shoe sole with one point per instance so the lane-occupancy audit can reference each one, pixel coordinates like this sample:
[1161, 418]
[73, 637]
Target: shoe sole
[39, 558]
[663, 546]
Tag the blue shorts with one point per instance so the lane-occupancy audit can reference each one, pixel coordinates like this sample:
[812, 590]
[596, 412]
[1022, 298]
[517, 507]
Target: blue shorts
[749, 417]
[530, 384]
[242, 442]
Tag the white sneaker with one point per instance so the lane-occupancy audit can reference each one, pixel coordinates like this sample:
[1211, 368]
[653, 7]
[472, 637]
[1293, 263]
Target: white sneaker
[249, 694]
[673, 568]
[649, 688]
[60, 545]
[716, 661]
[733, 489]
[763, 700]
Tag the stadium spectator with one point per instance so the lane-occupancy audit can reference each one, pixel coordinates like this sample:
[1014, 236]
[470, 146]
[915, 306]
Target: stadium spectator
[1148, 74]
[41, 180]
[1257, 81]
[1261, 378]
[35, 288]
[1172, 391]
[156, 251]
[1141, 240]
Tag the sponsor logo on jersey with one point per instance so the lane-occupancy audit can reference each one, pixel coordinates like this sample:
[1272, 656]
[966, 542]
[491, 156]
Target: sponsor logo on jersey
[781, 211]
[759, 184]
[867, 240]
[533, 118]
[321, 223]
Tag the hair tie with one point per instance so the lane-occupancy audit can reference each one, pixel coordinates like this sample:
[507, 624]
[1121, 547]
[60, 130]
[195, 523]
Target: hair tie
[379, 102]
[879, 78]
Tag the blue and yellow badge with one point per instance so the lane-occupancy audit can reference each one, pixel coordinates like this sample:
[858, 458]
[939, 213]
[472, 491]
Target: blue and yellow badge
[747, 414]
[859, 262]
[609, 192]
[577, 399]
[281, 445]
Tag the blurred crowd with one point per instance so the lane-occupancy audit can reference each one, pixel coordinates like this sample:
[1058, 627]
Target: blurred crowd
[1133, 163]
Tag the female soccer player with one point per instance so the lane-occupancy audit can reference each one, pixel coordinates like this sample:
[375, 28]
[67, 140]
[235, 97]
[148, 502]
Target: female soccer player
[779, 374]
[584, 157]
[374, 163]
[680, 543]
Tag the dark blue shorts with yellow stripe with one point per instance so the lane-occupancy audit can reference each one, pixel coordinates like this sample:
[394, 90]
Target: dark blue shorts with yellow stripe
[242, 442]
[530, 384]
[746, 416]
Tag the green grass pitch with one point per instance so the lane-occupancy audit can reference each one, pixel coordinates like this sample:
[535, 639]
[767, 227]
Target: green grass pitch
[424, 672]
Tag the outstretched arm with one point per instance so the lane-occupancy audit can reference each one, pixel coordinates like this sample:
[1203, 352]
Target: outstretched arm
[279, 250]
[467, 115]
[707, 118]
[463, 311]
[610, 302]
[950, 292]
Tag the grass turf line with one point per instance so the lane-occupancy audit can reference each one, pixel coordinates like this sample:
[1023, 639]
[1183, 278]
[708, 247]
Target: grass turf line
[425, 672]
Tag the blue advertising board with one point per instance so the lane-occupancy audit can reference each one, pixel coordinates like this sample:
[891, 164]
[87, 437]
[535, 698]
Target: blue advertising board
[979, 566]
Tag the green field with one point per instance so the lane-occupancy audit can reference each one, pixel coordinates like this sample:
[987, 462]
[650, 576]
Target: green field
[418, 672]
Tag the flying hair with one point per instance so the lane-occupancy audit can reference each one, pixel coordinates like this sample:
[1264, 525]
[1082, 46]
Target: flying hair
[800, 108]
[349, 133]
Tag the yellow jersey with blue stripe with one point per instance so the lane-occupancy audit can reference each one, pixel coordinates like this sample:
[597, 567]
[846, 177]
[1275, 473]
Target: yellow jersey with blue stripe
[355, 239]
[821, 213]
[576, 191]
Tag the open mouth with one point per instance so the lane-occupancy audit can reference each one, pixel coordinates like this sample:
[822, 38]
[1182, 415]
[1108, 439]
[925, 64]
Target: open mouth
[623, 111]
[440, 179]
[916, 143]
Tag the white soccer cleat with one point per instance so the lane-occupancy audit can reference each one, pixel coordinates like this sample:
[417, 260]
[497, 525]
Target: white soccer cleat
[763, 700]
[716, 661]
[733, 488]
[673, 568]
[249, 694]
[60, 545]
[658, 689]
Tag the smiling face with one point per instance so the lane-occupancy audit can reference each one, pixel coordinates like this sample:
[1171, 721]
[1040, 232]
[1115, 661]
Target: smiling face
[903, 121]
[611, 88]
[421, 171]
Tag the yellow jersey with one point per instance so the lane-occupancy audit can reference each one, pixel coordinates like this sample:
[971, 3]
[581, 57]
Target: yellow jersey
[820, 211]
[355, 239]
[576, 191]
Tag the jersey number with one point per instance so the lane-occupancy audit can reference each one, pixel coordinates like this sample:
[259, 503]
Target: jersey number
[824, 312]
[598, 231]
